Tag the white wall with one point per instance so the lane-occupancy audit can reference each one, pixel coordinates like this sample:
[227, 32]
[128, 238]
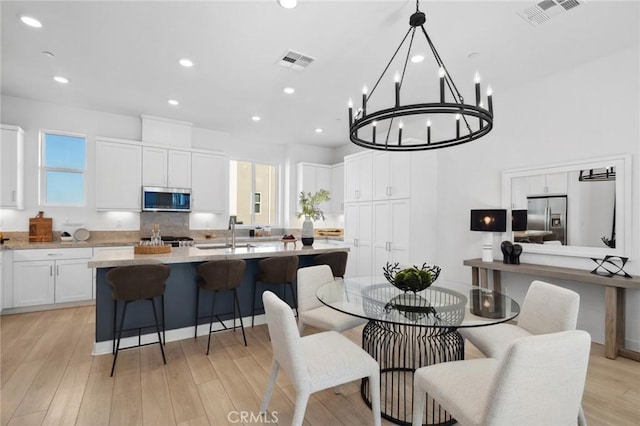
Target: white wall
[581, 113]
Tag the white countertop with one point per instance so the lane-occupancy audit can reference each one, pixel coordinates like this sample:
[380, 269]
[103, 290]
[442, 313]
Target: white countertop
[112, 258]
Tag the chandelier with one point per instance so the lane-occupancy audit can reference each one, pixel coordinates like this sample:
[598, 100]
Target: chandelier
[447, 122]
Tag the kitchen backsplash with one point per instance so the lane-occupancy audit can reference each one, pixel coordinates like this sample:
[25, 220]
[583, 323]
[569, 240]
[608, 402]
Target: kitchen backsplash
[174, 224]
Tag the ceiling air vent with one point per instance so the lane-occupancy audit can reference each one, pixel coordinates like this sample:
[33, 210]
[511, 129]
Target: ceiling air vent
[295, 60]
[547, 9]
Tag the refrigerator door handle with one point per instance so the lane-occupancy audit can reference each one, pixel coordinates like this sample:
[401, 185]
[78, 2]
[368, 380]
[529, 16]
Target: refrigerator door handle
[547, 218]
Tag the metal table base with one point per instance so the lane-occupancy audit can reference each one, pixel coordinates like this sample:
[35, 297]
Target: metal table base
[400, 350]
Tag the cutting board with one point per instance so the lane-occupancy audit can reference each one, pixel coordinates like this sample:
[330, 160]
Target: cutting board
[40, 229]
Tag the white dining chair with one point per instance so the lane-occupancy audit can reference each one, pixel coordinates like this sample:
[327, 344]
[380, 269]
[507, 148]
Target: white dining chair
[313, 312]
[315, 362]
[539, 381]
[547, 308]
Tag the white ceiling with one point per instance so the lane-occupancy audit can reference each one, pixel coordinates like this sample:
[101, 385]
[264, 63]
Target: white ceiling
[121, 56]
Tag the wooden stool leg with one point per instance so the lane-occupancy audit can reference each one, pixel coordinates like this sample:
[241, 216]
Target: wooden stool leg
[213, 305]
[235, 296]
[253, 314]
[115, 355]
[155, 317]
[195, 333]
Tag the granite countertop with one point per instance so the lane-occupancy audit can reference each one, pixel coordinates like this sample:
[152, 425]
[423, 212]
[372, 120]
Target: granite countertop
[114, 258]
[115, 239]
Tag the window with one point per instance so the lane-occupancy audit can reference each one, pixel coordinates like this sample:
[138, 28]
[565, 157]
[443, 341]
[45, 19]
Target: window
[63, 165]
[253, 194]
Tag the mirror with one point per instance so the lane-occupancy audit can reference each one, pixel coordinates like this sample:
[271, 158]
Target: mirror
[580, 208]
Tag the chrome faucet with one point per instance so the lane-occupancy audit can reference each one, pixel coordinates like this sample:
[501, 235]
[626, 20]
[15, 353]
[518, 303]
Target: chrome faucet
[232, 228]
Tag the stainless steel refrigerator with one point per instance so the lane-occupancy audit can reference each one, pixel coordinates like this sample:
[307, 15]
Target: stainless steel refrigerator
[548, 215]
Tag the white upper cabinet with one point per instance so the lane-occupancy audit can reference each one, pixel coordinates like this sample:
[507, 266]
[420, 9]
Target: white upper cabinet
[358, 174]
[312, 178]
[11, 167]
[547, 184]
[118, 176]
[391, 175]
[166, 168]
[337, 188]
[209, 182]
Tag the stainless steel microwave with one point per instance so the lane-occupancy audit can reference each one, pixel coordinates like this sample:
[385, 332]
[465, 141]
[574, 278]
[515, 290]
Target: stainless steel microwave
[155, 199]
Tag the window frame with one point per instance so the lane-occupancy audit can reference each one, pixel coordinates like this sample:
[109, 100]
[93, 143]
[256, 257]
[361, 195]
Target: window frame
[43, 169]
[279, 192]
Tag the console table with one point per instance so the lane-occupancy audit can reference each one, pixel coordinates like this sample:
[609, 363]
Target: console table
[614, 294]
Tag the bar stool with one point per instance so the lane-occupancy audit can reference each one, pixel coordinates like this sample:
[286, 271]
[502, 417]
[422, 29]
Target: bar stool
[276, 270]
[337, 260]
[137, 283]
[220, 275]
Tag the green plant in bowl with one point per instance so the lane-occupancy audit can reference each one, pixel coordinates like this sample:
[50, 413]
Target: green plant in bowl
[413, 278]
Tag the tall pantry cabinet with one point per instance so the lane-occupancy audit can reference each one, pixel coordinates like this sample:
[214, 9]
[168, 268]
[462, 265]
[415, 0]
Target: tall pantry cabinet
[377, 194]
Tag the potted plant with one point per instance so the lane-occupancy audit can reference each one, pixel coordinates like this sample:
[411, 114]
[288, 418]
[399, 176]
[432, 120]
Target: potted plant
[310, 209]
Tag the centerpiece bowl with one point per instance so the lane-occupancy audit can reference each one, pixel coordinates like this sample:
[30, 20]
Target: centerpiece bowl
[413, 278]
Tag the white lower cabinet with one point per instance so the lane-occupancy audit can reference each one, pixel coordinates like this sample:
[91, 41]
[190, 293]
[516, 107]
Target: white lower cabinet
[42, 276]
[391, 233]
[357, 221]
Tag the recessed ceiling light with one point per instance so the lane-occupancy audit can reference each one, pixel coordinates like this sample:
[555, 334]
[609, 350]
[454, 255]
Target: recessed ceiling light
[255, 118]
[186, 63]
[173, 102]
[288, 4]
[318, 130]
[32, 22]
[416, 59]
[61, 79]
[289, 90]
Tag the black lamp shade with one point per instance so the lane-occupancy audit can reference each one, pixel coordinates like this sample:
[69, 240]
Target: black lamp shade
[518, 220]
[489, 220]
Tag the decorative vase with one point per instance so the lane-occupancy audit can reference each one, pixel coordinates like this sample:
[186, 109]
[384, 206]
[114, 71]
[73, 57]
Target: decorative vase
[307, 231]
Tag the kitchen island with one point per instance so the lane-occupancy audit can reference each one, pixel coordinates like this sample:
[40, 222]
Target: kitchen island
[180, 292]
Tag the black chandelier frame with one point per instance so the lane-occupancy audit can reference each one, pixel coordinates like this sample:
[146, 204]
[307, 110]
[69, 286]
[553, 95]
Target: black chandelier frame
[458, 107]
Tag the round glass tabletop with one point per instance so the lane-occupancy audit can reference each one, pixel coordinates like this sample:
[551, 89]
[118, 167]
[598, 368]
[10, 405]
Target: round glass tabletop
[448, 304]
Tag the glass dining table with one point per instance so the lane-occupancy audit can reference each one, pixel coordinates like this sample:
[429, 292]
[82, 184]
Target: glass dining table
[406, 331]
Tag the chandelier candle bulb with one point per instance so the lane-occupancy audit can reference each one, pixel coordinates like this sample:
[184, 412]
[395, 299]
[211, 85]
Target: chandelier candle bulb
[374, 125]
[350, 104]
[441, 73]
[397, 81]
[364, 101]
[489, 99]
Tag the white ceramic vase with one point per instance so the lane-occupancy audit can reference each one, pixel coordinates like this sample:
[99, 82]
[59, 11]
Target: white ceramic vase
[307, 231]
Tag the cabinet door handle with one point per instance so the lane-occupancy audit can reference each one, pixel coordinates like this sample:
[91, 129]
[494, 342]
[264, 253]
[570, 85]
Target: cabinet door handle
[57, 269]
[388, 191]
[51, 270]
[355, 242]
[13, 195]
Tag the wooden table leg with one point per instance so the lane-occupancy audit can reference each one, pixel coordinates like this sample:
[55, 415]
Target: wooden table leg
[474, 276]
[614, 321]
[497, 286]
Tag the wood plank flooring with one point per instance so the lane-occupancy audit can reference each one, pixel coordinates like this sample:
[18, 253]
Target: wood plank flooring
[49, 377]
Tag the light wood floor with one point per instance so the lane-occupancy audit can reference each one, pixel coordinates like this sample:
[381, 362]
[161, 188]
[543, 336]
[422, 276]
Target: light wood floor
[49, 377]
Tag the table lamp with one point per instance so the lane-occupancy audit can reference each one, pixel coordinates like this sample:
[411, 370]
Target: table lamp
[488, 221]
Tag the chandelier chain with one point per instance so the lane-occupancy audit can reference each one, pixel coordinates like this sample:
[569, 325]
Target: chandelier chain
[388, 64]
